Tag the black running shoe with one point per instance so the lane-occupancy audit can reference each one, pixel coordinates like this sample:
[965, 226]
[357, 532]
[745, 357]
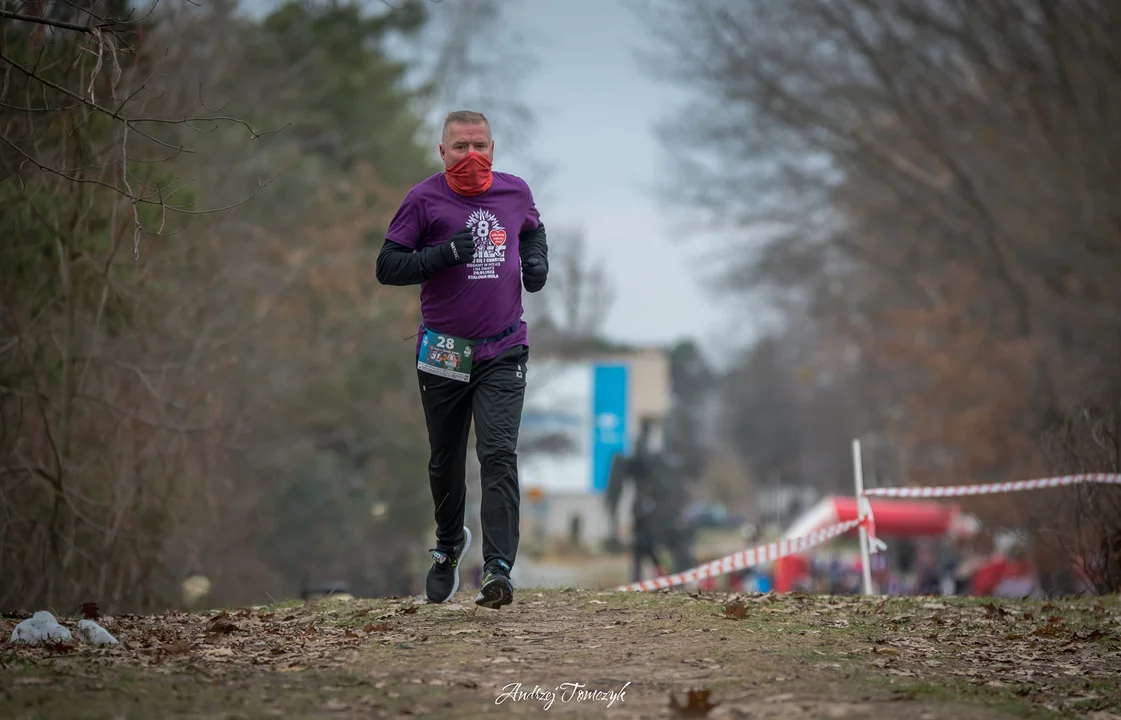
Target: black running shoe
[443, 576]
[497, 590]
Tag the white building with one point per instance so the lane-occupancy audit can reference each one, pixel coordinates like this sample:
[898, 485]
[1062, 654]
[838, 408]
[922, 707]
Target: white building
[578, 414]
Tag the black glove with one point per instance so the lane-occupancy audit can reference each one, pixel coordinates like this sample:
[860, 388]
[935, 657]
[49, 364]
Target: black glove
[535, 270]
[459, 249]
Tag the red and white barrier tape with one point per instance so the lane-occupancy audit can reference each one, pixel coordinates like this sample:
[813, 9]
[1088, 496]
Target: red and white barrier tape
[773, 551]
[746, 558]
[992, 488]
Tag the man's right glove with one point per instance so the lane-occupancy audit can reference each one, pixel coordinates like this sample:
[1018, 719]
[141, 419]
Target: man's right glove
[459, 249]
[535, 271]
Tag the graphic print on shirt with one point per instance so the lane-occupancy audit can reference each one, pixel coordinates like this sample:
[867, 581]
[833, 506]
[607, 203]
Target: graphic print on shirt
[490, 245]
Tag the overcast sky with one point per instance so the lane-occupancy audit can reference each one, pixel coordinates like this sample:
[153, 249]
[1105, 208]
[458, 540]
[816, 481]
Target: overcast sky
[596, 134]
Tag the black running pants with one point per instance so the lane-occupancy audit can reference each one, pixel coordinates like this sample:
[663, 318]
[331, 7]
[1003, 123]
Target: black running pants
[493, 398]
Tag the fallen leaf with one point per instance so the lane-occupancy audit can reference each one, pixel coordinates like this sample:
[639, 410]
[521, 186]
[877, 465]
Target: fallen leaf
[221, 623]
[59, 647]
[993, 610]
[376, 627]
[90, 611]
[735, 610]
[180, 647]
[696, 704]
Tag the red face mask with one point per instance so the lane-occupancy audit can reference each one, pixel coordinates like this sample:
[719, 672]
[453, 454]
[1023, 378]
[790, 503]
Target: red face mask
[471, 175]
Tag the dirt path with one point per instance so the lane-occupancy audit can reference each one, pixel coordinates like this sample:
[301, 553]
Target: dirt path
[586, 572]
[767, 657]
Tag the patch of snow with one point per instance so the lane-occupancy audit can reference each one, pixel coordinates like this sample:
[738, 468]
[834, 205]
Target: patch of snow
[41, 628]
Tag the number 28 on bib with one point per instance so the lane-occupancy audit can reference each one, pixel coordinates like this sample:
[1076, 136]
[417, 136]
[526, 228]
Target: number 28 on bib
[445, 355]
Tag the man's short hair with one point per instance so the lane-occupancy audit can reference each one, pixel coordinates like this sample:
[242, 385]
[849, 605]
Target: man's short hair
[464, 117]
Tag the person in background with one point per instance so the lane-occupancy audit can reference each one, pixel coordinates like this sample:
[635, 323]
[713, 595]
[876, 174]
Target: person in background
[948, 560]
[1019, 578]
[927, 580]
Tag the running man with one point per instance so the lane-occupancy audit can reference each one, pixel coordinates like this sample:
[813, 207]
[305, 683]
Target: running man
[471, 238]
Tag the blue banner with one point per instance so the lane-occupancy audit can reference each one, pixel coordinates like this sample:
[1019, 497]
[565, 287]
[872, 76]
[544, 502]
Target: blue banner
[609, 420]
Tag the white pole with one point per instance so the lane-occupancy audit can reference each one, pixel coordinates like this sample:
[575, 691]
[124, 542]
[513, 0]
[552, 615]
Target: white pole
[865, 555]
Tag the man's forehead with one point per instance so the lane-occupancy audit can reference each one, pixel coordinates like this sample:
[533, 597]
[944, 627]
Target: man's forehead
[468, 131]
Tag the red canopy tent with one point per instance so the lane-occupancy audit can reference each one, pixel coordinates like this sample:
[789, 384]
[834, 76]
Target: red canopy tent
[901, 518]
[907, 518]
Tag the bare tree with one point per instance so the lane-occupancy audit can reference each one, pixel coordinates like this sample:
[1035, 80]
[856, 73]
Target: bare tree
[1087, 521]
[933, 183]
[151, 412]
[579, 294]
[97, 73]
[472, 56]
[87, 157]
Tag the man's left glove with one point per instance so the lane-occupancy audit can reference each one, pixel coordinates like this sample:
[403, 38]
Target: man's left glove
[535, 270]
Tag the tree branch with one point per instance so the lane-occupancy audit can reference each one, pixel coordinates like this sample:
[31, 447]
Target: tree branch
[60, 24]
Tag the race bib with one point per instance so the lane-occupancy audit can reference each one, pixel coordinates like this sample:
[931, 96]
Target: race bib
[445, 355]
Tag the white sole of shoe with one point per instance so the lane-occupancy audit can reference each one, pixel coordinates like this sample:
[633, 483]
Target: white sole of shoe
[466, 547]
[495, 596]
